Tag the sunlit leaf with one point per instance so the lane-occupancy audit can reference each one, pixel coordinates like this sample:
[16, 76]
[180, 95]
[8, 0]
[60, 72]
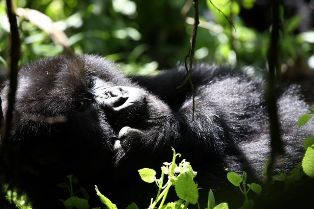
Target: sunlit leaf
[186, 188]
[211, 200]
[147, 174]
[308, 162]
[222, 206]
[304, 119]
[248, 4]
[105, 200]
[234, 178]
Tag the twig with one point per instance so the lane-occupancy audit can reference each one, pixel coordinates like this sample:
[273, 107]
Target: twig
[223, 14]
[188, 61]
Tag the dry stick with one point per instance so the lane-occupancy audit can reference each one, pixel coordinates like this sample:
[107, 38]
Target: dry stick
[188, 61]
[13, 66]
[271, 91]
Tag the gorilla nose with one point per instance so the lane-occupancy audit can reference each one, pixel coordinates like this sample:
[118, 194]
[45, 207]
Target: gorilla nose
[120, 98]
[114, 97]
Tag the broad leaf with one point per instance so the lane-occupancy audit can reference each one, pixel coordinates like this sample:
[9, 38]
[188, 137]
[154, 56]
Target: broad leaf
[76, 202]
[211, 200]
[147, 174]
[304, 119]
[186, 188]
[255, 188]
[222, 206]
[234, 178]
[132, 206]
[308, 162]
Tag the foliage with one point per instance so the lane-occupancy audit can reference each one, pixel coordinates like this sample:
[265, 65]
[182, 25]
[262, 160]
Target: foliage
[137, 33]
[181, 177]
[117, 29]
[20, 200]
[74, 201]
[239, 181]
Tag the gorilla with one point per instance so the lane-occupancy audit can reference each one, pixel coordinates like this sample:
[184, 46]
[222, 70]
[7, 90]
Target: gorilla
[79, 115]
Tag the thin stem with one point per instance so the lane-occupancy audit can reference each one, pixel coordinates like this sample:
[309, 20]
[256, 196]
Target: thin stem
[160, 183]
[165, 195]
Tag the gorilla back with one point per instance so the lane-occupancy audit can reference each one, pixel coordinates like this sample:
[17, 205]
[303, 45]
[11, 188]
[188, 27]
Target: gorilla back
[78, 115]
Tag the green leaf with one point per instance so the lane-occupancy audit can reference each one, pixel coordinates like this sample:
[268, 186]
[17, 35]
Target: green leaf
[308, 162]
[211, 200]
[308, 141]
[147, 174]
[186, 188]
[222, 206]
[280, 177]
[132, 206]
[247, 204]
[304, 119]
[292, 24]
[174, 205]
[234, 178]
[248, 4]
[255, 188]
[105, 200]
[76, 202]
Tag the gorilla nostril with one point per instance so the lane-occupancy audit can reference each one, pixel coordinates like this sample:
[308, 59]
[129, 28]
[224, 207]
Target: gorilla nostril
[115, 92]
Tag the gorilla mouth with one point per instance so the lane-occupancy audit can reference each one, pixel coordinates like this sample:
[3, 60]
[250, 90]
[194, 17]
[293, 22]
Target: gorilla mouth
[116, 102]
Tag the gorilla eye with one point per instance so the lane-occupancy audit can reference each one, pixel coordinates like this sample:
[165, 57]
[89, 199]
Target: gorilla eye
[90, 83]
[81, 105]
[83, 102]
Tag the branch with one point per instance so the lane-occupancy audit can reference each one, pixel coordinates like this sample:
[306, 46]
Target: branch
[13, 65]
[271, 90]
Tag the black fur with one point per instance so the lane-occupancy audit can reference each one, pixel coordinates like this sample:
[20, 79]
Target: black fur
[79, 115]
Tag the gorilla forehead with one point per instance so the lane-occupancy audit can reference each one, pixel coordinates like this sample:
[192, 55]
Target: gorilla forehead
[72, 69]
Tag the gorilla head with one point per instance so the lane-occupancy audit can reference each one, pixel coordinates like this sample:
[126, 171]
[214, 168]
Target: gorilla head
[78, 115]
